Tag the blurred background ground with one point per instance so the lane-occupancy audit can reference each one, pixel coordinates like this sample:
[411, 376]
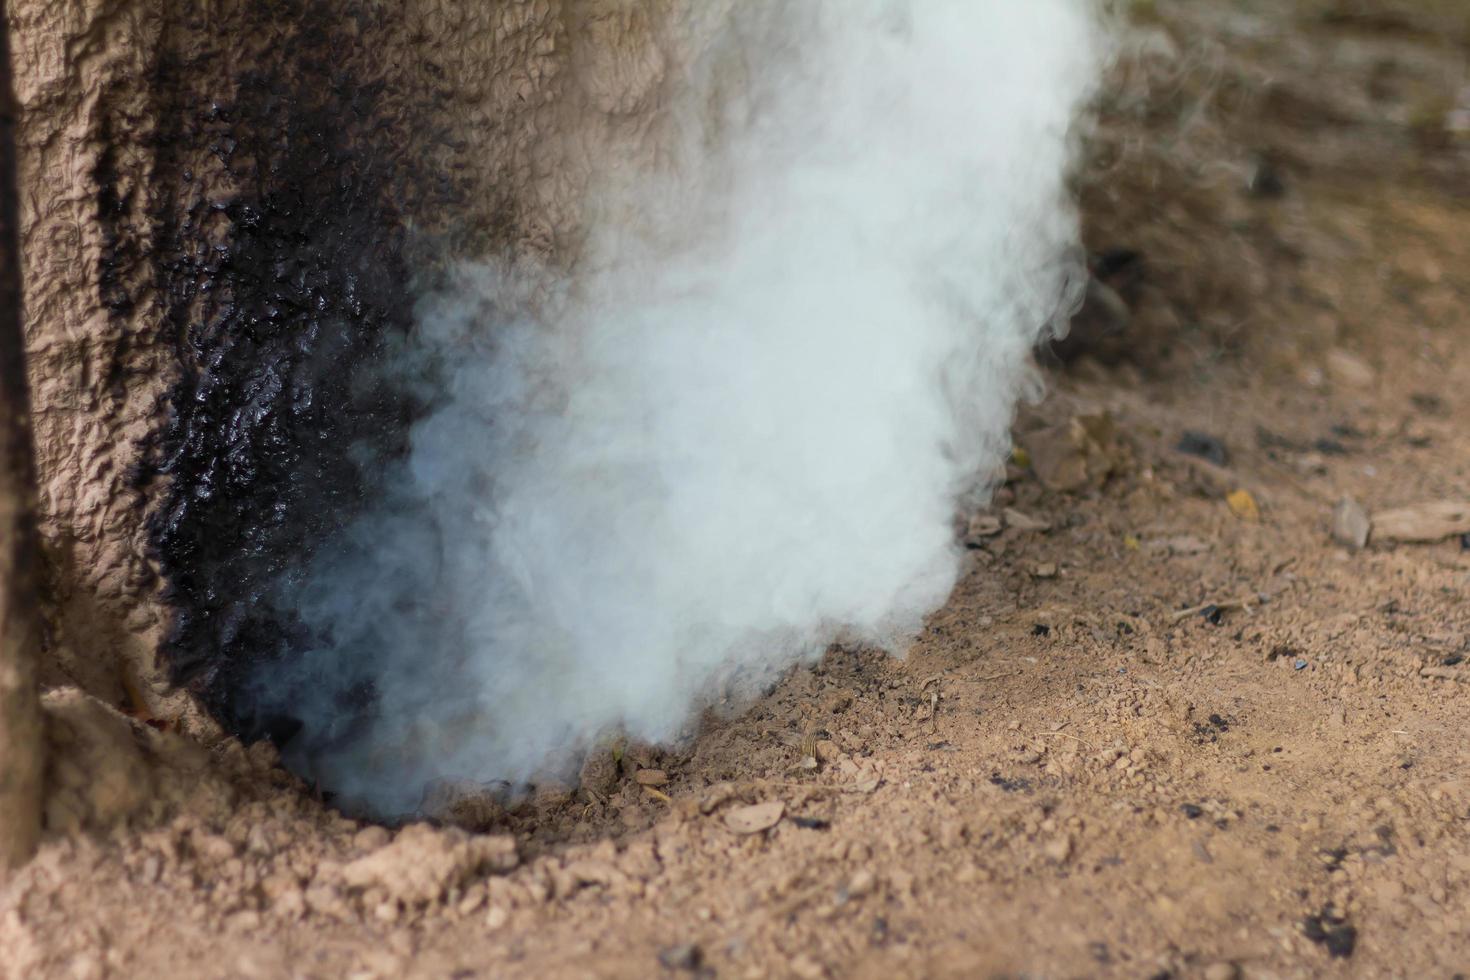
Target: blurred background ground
[1167, 726]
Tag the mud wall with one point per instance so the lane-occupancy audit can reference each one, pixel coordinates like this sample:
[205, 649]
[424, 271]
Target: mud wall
[228, 210]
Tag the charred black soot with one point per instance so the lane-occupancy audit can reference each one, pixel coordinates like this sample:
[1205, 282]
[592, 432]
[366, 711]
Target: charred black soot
[281, 262]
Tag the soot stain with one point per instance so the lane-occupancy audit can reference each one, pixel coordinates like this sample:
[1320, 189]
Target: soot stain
[286, 289]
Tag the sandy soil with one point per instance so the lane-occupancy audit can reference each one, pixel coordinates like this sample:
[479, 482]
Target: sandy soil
[1156, 732]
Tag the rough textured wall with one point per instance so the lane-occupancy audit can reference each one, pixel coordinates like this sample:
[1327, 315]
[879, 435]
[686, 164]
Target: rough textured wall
[228, 207]
[98, 360]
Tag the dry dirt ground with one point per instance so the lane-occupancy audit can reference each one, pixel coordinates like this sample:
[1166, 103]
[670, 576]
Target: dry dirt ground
[1152, 734]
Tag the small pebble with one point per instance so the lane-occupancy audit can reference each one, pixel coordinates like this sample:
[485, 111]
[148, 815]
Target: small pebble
[685, 956]
[1299, 664]
[1222, 971]
[1058, 849]
[371, 838]
[85, 966]
[1205, 446]
[1351, 524]
[861, 883]
[807, 968]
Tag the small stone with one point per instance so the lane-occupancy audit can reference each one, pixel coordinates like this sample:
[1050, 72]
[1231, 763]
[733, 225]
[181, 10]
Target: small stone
[1265, 182]
[1337, 936]
[85, 966]
[258, 841]
[1209, 448]
[807, 968]
[861, 883]
[982, 526]
[1299, 664]
[684, 956]
[379, 964]
[1045, 570]
[471, 902]
[1075, 454]
[371, 838]
[152, 867]
[1100, 329]
[246, 921]
[1059, 849]
[1222, 971]
[1350, 524]
[212, 847]
[496, 917]
[1349, 370]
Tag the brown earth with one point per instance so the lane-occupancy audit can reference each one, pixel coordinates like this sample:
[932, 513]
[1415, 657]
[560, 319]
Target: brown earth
[1159, 736]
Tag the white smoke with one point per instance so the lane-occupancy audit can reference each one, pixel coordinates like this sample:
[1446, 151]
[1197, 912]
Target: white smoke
[740, 429]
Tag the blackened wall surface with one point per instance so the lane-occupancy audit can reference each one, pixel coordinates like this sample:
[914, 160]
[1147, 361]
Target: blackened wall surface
[285, 286]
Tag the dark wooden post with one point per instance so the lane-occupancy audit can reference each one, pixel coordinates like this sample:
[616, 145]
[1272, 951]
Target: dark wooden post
[20, 613]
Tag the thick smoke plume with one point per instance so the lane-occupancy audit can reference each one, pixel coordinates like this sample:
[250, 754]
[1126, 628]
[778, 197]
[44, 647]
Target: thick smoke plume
[738, 430]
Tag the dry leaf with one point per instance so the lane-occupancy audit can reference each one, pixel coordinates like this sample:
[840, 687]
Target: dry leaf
[754, 819]
[1243, 505]
[1423, 523]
